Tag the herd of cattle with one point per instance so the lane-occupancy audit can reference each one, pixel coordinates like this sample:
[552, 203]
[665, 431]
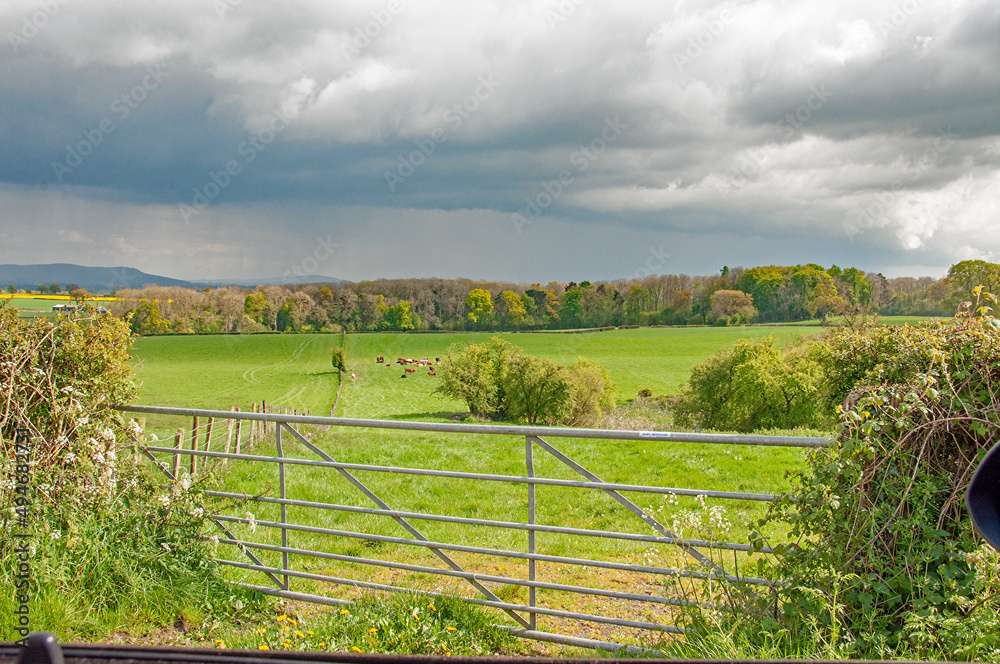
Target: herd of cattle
[411, 366]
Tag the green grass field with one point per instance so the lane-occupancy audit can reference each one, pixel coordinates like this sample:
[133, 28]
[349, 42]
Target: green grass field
[295, 371]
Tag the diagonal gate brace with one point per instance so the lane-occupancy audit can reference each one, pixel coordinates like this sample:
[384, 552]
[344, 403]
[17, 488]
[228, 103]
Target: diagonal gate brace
[360, 486]
[629, 505]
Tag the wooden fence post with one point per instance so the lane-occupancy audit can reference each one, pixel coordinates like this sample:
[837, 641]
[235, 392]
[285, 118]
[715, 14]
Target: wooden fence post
[208, 434]
[178, 445]
[194, 446]
[239, 432]
[229, 436]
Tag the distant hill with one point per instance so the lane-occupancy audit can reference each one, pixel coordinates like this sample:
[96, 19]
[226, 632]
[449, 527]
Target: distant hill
[94, 279]
[101, 280]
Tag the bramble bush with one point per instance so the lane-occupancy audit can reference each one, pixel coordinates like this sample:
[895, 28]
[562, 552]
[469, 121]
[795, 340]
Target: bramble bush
[110, 547]
[883, 559]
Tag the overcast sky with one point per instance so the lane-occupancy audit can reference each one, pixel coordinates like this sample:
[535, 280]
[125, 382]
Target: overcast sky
[526, 140]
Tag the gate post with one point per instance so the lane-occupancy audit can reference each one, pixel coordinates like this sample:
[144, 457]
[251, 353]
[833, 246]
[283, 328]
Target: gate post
[530, 464]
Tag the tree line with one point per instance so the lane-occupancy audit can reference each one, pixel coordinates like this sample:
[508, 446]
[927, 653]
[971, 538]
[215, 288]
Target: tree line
[734, 296]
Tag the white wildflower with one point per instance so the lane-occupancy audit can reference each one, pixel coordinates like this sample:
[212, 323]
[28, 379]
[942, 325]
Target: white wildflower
[112, 456]
[99, 459]
[108, 435]
[186, 482]
[55, 534]
[67, 390]
[153, 438]
[164, 500]
[197, 512]
[82, 421]
[135, 428]
[253, 522]
[166, 547]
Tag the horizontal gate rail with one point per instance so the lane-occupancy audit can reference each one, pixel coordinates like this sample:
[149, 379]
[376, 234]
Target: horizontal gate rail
[497, 429]
[292, 557]
[490, 578]
[509, 525]
[454, 474]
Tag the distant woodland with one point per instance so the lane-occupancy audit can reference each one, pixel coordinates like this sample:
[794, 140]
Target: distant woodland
[737, 295]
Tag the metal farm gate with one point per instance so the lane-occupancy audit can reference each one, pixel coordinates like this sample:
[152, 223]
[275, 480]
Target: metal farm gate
[292, 559]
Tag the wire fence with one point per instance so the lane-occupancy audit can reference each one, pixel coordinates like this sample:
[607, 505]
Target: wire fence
[288, 516]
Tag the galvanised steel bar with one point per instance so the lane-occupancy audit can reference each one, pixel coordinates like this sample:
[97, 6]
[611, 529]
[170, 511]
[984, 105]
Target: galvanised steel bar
[358, 484]
[284, 507]
[729, 546]
[530, 466]
[491, 578]
[508, 430]
[504, 553]
[628, 504]
[513, 479]
[510, 525]
[506, 606]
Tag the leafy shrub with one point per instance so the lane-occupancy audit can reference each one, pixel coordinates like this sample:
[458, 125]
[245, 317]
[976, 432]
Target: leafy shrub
[499, 380]
[884, 560]
[754, 385]
[111, 547]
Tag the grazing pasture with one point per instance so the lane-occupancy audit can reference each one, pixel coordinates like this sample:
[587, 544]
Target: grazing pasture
[295, 371]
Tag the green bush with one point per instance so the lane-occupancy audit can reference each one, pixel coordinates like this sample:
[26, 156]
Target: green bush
[111, 548]
[884, 561]
[755, 385]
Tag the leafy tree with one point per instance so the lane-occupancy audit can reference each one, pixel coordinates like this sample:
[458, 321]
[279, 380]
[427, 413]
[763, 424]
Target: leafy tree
[255, 306]
[537, 389]
[570, 310]
[12, 289]
[825, 301]
[479, 307]
[730, 303]
[339, 359]
[398, 317]
[512, 309]
[79, 294]
[754, 386]
[593, 393]
[964, 276]
[473, 373]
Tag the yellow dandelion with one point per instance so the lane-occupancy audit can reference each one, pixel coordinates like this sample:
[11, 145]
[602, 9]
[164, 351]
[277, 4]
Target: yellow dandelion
[431, 607]
[260, 631]
[356, 649]
[450, 628]
[373, 630]
[292, 622]
[310, 633]
[218, 641]
[299, 634]
[344, 612]
[263, 648]
[322, 644]
[281, 618]
[285, 629]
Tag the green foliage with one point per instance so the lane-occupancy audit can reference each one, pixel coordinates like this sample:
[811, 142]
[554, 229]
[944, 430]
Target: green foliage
[500, 380]
[754, 385]
[965, 276]
[536, 389]
[338, 357]
[409, 624]
[112, 548]
[593, 393]
[479, 307]
[883, 560]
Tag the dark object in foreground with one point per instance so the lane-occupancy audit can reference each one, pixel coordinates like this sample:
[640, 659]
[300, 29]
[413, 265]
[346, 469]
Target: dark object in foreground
[44, 649]
[983, 497]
